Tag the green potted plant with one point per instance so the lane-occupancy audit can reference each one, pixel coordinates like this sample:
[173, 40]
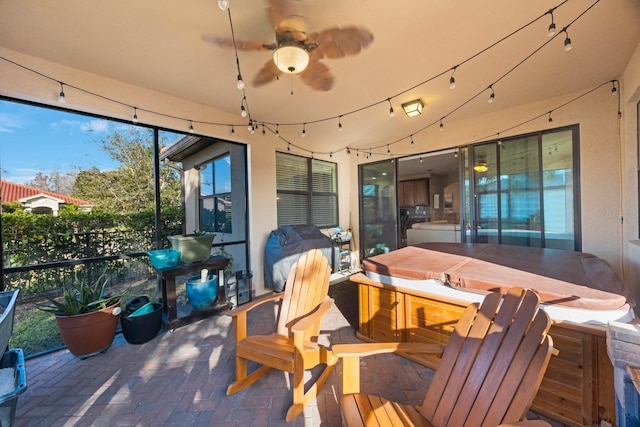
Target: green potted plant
[87, 318]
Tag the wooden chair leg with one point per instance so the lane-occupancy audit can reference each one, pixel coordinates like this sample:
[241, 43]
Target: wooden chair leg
[245, 381]
[302, 399]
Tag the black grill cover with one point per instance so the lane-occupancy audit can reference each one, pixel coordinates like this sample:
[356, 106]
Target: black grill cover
[285, 245]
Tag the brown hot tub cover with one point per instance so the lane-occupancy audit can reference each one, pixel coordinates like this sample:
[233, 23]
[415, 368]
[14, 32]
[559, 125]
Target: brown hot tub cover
[573, 279]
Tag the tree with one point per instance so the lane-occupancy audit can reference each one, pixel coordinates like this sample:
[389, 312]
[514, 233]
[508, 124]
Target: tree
[130, 187]
[61, 183]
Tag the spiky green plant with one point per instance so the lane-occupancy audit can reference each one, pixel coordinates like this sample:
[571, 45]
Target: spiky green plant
[81, 296]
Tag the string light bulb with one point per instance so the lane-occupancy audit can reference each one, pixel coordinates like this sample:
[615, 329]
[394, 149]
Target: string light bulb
[190, 126]
[340, 124]
[550, 118]
[243, 111]
[233, 131]
[552, 27]
[567, 42]
[134, 119]
[240, 83]
[391, 112]
[452, 80]
[223, 4]
[492, 97]
[304, 130]
[441, 125]
[412, 143]
[348, 150]
[277, 130]
[61, 98]
[614, 90]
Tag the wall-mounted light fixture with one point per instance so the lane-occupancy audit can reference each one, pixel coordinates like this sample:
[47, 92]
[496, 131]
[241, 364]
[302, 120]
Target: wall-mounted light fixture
[413, 108]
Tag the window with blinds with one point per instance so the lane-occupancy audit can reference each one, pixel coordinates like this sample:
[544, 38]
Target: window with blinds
[307, 191]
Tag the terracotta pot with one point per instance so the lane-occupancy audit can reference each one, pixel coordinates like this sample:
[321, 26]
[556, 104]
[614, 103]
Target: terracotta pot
[90, 333]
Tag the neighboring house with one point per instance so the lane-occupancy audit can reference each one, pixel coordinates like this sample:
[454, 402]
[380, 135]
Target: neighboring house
[39, 201]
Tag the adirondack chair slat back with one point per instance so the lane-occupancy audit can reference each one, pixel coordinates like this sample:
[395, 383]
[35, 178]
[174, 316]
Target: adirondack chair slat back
[493, 357]
[306, 287]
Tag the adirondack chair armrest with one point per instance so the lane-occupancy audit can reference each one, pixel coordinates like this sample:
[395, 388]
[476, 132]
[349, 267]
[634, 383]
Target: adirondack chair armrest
[312, 318]
[368, 349]
[351, 353]
[244, 308]
[239, 314]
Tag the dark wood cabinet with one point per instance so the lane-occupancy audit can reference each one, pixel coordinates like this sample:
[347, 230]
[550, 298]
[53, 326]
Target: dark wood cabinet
[413, 192]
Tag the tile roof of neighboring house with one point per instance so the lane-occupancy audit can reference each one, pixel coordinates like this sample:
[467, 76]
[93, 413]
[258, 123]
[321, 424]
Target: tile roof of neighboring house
[12, 192]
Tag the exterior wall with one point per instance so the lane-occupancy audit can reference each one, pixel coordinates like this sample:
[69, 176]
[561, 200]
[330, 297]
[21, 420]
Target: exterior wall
[630, 244]
[608, 150]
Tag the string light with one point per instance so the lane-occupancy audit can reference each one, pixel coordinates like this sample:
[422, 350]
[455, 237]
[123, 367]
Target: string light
[348, 150]
[452, 81]
[250, 126]
[134, 119]
[391, 112]
[264, 132]
[304, 130]
[233, 131]
[190, 126]
[613, 88]
[240, 83]
[492, 96]
[340, 123]
[420, 159]
[455, 153]
[61, 98]
[223, 4]
[567, 41]
[243, 111]
[330, 155]
[277, 130]
[550, 118]
[552, 27]
[289, 146]
[441, 125]
[412, 143]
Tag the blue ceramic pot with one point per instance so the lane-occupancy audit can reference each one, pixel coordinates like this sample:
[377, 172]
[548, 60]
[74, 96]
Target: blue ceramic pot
[202, 294]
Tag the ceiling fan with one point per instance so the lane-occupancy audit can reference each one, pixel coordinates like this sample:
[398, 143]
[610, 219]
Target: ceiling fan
[296, 51]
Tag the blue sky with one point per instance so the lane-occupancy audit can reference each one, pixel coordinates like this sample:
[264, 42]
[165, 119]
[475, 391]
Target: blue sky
[34, 139]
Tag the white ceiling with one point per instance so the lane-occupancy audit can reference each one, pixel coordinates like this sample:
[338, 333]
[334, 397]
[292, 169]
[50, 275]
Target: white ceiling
[160, 45]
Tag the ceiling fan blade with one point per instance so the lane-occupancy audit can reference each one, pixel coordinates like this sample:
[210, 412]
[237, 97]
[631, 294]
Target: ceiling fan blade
[240, 44]
[268, 73]
[317, 76]
[287, 16]
[339, 42]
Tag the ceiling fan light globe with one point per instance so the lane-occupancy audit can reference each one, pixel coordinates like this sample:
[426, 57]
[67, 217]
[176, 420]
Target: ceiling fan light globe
[291, 59]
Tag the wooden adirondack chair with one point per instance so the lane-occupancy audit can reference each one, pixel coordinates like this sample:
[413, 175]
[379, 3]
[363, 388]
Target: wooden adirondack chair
[489, 373]
[293, 347]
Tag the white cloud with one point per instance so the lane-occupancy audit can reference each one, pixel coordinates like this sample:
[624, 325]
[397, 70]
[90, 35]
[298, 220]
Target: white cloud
[94, 125]
[9, 123]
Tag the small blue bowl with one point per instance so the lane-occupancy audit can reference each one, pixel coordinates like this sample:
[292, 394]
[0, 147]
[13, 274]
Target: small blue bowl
[164, 258]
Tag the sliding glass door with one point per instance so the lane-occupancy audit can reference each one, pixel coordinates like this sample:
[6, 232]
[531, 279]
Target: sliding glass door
[378, 210]
[521, 191]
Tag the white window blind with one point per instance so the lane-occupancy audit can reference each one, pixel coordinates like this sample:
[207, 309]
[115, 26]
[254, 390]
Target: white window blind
[307, 191]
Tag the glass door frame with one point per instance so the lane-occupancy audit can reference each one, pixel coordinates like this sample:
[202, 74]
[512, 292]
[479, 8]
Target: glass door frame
[383, 228]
